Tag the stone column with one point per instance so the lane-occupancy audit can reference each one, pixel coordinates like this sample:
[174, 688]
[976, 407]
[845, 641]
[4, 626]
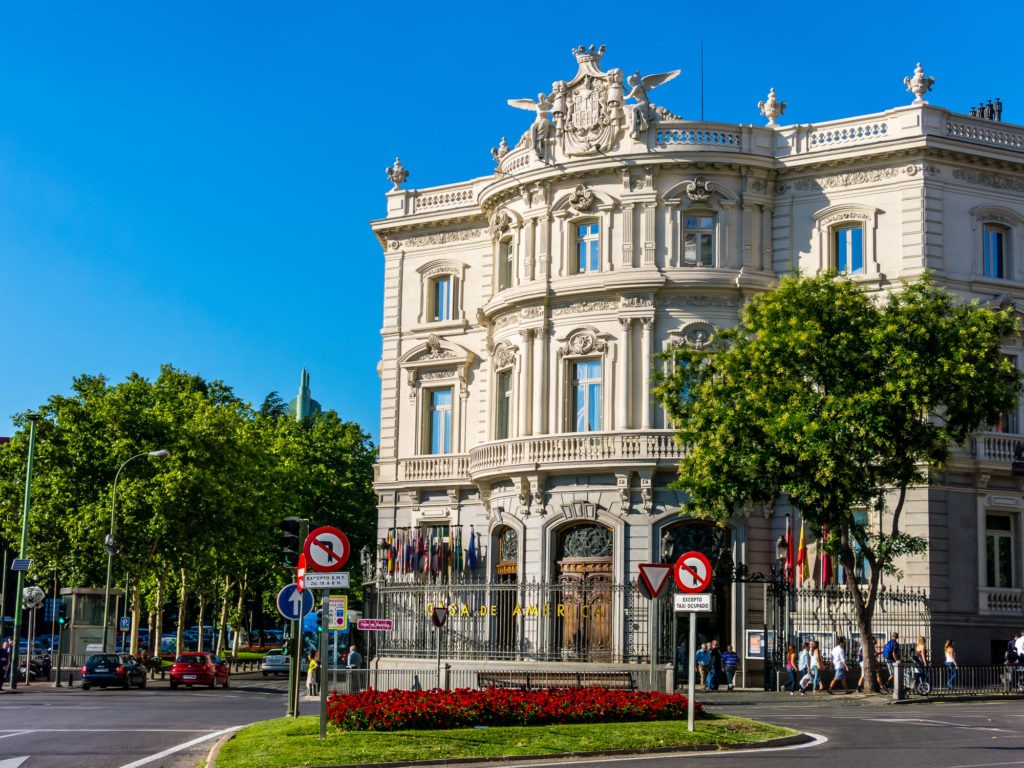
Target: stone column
[625, 362]
[645, 373]
[525, 383]
[540, 396]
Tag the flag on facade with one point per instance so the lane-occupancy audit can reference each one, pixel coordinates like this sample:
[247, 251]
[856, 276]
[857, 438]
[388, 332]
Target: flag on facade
[803, 571]
[471, 553]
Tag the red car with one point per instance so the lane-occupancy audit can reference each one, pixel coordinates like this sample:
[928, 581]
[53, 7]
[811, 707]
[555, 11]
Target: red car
[199, 669]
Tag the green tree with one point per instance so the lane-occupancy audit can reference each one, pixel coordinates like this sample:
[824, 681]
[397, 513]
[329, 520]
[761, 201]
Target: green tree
[840, 401]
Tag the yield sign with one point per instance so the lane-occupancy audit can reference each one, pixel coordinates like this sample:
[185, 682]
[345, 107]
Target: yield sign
[693, 572]
[439, 616]
[326, 549]
[654, 577]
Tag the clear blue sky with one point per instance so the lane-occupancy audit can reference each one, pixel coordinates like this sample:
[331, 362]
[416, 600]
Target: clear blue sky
[191, 182]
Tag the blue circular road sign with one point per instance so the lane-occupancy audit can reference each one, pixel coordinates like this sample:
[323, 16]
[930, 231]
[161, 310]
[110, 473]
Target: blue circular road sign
[292, 604]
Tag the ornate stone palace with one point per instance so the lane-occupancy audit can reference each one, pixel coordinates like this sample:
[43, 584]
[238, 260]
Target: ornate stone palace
[524, 468]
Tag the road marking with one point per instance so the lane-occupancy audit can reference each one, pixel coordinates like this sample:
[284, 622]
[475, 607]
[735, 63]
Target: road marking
[14, 733]
[13, 762]
[180, 747]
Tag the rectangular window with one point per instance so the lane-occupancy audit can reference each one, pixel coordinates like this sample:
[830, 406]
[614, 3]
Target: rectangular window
[588, 247]
[998, 551]
[441, 298]
[586, 383]
[698, 241]
[440, 418]
[848, 249]
[506, 270]
[503, 393]
[994, 252]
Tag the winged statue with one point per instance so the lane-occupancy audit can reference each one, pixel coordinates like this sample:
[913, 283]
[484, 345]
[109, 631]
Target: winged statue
[640, 112]
[541, 126]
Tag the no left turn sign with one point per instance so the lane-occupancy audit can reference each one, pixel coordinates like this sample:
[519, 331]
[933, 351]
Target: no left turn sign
[326, 549]
[693, 572]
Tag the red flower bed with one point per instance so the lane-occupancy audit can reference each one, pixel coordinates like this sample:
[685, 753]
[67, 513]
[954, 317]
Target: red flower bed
[396, 710]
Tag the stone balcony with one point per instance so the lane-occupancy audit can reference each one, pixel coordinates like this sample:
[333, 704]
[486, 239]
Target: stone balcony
[574, 451]
[993, 601]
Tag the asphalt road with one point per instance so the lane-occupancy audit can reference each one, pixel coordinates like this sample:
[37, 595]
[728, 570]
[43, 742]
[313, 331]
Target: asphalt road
[156, 727]
[854, 731]
[46, 727]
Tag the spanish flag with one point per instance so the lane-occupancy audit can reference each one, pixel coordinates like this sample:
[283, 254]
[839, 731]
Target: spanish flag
[803, 568]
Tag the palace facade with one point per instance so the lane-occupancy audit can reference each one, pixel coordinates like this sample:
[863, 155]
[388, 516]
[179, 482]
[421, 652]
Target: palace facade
[525, 469]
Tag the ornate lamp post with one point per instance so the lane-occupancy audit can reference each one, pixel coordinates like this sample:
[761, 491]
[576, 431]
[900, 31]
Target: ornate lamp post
[110, 542]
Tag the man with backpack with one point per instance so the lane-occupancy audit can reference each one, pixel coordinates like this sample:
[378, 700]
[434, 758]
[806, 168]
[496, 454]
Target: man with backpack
[891, 654]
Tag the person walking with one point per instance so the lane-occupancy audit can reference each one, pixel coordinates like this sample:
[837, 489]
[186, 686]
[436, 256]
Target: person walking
[791, 665]
[891, 654]
[5, 662]
[731, 662]
[313, 675]
[817, 662]
[703, 660]
[839, 664]
[951, 665]
[715, 673]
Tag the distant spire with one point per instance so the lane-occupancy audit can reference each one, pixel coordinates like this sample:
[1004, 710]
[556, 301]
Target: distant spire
[304, 406]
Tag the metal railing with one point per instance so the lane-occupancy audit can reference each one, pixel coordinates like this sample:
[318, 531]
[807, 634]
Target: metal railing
[974, 679]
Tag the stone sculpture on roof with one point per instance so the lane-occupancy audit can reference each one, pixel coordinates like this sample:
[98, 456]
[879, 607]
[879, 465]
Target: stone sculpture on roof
[588, 114]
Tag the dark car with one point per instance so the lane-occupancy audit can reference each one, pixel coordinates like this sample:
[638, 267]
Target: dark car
[121, 669]
[199, 668]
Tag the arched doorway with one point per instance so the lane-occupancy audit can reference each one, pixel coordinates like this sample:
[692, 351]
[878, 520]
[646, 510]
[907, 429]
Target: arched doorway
[583, 622]
[506, 569]
[712, 541]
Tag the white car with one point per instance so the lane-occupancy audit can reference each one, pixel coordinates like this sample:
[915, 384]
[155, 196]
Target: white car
[277, 662]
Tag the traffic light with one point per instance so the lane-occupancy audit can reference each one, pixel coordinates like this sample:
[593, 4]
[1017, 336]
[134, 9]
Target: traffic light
[291, 544]
[62, 613]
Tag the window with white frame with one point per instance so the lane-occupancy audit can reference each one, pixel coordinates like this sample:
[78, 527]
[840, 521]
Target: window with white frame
[588, 247]
[439, 420]
[698, 240]
[999, 550]
[441, 295]
[503, 403]
[586, 394]
[994, 247]
[848, 249]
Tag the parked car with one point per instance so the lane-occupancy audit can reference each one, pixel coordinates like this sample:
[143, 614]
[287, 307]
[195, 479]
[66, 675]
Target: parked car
[276, 662]
[199, 668]
[105, 669]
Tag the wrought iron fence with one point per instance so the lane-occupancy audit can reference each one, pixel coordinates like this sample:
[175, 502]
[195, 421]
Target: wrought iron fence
[568, 620]
[593, 621]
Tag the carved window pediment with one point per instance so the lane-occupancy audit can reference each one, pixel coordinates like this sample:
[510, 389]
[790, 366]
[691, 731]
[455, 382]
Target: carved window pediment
[583, 342]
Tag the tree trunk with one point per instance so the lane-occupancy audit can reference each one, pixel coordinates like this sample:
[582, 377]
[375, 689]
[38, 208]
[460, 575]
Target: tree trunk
[179, 638]
[239, 621]
[865, 607]
[157, 633]
[222, 622]
[133, 648]
[202, 619]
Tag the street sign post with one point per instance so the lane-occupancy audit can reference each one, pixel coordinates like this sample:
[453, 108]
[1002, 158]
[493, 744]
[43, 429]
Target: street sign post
[696, 603]
[292, 604]
[375, 625]
[327, 549]
[338, 580]
[693, 572]
[693, 575]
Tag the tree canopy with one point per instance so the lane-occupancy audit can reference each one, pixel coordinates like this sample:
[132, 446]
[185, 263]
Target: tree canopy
[840, 401]
[206, 515]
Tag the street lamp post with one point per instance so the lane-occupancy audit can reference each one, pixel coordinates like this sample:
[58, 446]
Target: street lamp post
[109, 543]
[13, 666]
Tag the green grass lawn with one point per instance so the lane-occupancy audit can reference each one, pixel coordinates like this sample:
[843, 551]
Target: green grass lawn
[294, 742]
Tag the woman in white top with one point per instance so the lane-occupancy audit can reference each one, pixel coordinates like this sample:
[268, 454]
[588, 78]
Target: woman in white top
[951, 665]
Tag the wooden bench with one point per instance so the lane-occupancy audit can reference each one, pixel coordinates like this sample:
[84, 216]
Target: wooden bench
[533, 681]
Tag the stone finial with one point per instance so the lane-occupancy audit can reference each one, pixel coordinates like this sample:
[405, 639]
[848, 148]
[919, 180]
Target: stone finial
[397, 174]
[501, 150]
[771, 107]
[919, 84]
